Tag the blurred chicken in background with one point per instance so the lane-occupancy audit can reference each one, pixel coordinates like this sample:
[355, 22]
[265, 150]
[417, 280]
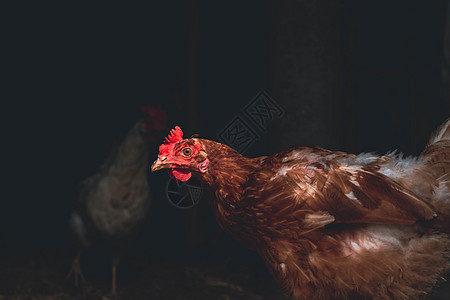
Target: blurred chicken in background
[114, 201]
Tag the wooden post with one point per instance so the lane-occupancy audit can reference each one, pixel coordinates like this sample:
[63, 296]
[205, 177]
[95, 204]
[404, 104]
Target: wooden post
[306, 73]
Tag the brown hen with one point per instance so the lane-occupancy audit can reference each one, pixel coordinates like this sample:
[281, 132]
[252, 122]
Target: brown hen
[330, 225]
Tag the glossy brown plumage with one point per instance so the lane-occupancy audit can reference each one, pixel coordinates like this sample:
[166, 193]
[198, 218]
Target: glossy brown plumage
[331, 225]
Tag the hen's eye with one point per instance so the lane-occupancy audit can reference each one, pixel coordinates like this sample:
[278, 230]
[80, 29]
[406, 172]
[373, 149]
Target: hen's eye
[186, 152]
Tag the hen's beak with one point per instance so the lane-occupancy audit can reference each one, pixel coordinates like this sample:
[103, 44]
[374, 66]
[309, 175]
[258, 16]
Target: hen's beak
[160, 164]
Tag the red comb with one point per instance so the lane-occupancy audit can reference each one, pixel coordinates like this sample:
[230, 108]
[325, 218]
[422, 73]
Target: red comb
[174, 136]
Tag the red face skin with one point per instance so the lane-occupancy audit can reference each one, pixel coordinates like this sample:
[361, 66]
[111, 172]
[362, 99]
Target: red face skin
[182, 157]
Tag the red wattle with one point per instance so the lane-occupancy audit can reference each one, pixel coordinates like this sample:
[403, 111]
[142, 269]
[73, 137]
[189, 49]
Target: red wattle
[180, 175]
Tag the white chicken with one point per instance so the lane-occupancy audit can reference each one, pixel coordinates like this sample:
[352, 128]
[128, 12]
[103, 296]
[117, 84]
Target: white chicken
[114, 201]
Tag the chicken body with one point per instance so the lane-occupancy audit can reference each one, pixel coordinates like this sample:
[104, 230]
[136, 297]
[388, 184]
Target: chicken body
[114, 201]
[331, 225]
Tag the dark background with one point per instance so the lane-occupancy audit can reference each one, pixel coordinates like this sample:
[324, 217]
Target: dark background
[349, 75]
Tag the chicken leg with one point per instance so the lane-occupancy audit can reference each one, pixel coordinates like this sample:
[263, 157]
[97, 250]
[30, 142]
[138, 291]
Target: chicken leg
[75, 270]
[115, 262]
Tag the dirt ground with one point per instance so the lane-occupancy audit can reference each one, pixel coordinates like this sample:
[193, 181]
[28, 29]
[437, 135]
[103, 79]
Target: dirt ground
[42, 275]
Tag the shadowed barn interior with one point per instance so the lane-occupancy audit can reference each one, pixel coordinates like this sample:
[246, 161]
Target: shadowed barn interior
[261, 76]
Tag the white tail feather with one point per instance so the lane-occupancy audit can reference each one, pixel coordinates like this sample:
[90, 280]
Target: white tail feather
[442, 133]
